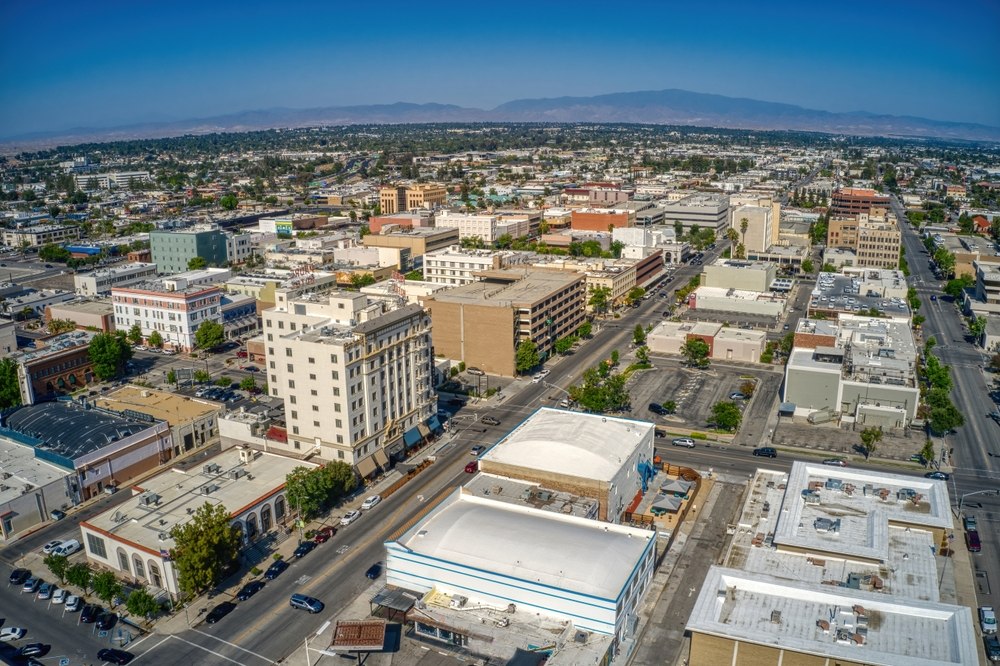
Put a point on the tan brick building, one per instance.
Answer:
(482, 323)
(401, 198)
(419, 241)
(595, 219)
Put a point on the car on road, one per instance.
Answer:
(350, 517)
(490, 420)
(51, 545)
(90, 613)
(537, 379)
(972, 541)
(19, 576)
(46, 590)
(476, 450)
(370, 502)
(67, 548)
(324, 534)
(683, 441)
(306, 603)
(987, 620)
(766, 452)
(933, 297)
(275, 569)
(835, 462)
(938, 476)
(32, 584)
(115, 656)
(736, 395)
(992, 643)
(304, 548)
(73, 603)
(472, 467)
(8, 634)
(56, 514)
(250, 589)
(969, 523)
(374, 571)
(220, 611)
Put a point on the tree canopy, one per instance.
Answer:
(109, 352)
(310, 490)
(210, 334)
(526, 357)
(205, 547)
(727, 415)
(10, 390)
(196, 263)
(696, 350)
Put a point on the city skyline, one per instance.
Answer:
(120, 64)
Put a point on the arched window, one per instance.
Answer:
(251, 526)
(123, 561)
(279, 508)
(265, 518)
(137, 567)
(154, 574)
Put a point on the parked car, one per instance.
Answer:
(31, 585)
(90, 613)
(51, 545)
(933, 297)
(275, 569)
(939, 476)
(475, 371)
(987, 620)
(969, 523)
(304, 548)
(972, 541)
(350, 517)
(683, 441)
(324, 534)
(45, 591)
(73, 603)
(241, 354)
(306, 603)
(8, 634)
(736, 395)
(657, 408)
(68, 548)
(476, 450)
(374, 571)
(766, 452)
(992, 643)
(115, 656)
(472, 467)
(835, 462)
(57, 514)
(370, 502)
(107, 620)
(220, 611)
(34, 650)
(490, 420)
(19, 576)
(250, 589)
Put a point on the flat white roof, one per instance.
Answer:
(19, 461)
(860, 503)
(862, 626)
(585, 445)
(563, 552)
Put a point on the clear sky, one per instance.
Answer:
(104, 63)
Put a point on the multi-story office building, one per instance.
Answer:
(878, 245)
(482, 323)
(704, 210)
(239, 248)
(355, 375)
(175, 311)
(486, 227)
(100, 282)
(842, 232)
(40, 234)
(453, 265)
(172, 250)
(104, 181)
(401, 198)
(419, 241)
(762, 228)
(850, 201)
(58, 366)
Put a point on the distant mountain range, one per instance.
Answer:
(663, 107)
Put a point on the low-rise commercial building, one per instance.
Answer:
(702, 210)
(601, 219)
(739, 274)
(402, 198)
(488, 228)
(454, 265)
(98, 315)
(40, 234)
(56, 366)
(877, 292)
(101, 281)
(30, 488)
(724, 343)
(482, 323)
(8, 337)
(419, 241)
(29, 303)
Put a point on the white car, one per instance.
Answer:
(60, 596)
(987, 620)
(8, 634)
(370, 502)
(73, 603)
(683, 441)
(67, 548)
(350, 517)
(51, 545)
(537, 379)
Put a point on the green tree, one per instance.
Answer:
(635, 294)
(142, 604)
(359, 280)
(670, 406)
(205, 547)
(927, 452)
(696, 351)
(585, 330)
(995, 362)
(639, 335)
(209, 335)
(57, 326)
(955, 288)
(134, 335)
(945, 418)
(155, 340)
(807, 266)
(202, 376)
(58, 565)
(196, 263)
(109, 352)
(53, 252)
(747, 387)
(171, 376)
(80, 575)
(727, 415)
(945, 260)
(600, 299)
(248, 383)
(563, 345)
(310, 490)
(938, 375)
(10, 389)
(642, 356)
(870, 438)
(106, 586)
(414, 275)
(526, 356)
(229, 202)
(977, 326)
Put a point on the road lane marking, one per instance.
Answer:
(234, 645)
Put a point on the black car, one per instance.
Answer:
(89, 613)
(220, 611)
(766, 452)
(114, 656)
(275, 569)
(657, 408)
(18, 576)
(250, 589)
(34, 650)
(106, 621)
(939, 476)
(992, 647)
(374, 571)
(304, 548)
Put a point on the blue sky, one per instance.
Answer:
(107, 63)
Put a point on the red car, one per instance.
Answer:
(241, 354)
(324, 534)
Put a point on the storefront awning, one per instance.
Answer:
(434, 423)
(411, 437)
(381, 459)
(366, 466)
(425, 432)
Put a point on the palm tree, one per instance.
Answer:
(744, 225)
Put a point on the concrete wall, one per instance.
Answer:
(480, 335)
(885, 395)
(709, 650)
(737, 305)
(812, 390)
(738, 349)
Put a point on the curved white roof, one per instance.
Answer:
(585, 445)
(565, 552)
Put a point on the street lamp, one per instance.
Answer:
(987, 491)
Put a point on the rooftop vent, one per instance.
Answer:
(209, 489)
(211, 468)
(827, 526)
(776, 617)
(580, 637)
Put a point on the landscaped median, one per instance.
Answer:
(702, 435)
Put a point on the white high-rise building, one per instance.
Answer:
(175, 312)
(355, 374)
